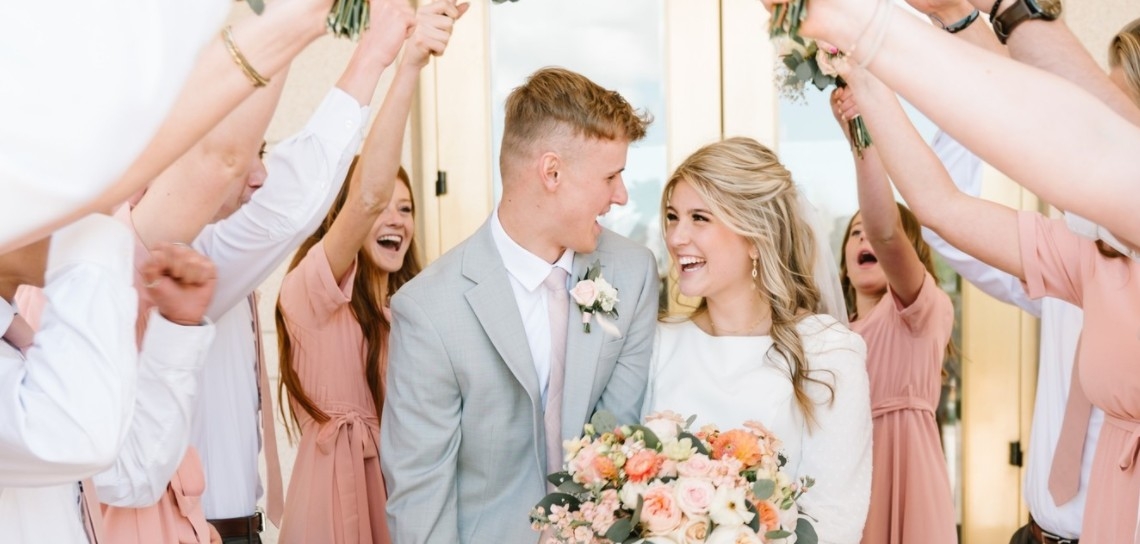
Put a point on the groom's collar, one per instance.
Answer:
(528, 269)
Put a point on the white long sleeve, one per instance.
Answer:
(169, 366)
(68, 404)
(306, 172)
(130, 59)
(965, 169)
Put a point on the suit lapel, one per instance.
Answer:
(582, 351)
(493, 301)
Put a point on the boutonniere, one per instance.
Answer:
(596, 298)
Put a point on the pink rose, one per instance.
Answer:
(659, 512)
(590, 468)
(585, 293)
(697, 466)
(823, 59)
(694, 495)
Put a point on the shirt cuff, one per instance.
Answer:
(7, 313)
(188, 342)
(339, 119)
(96, 240)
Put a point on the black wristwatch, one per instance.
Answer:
(1025, 10)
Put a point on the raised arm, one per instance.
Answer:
(1024, 109)
(981, 228)
(965, 170)
(174, 348)
(373, 181)
(67, 407)
(880, 214)
(213, 88)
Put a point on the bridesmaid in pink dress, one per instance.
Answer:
(894, 301)
(333, 324)
(1051, 261)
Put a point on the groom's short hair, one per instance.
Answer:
(554, 99)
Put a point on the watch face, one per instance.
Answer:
(1051, 9)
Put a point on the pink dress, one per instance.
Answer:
(336, 494)
(1062, 265)
(911, 501)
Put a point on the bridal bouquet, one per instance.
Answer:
(804, 61)
(659, 483)
(347, 18)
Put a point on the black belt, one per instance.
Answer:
(239, 527)
(1045, 537)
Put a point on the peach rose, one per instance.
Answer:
(642, 466)
(769, 515)
(660, 513)
(692, 531)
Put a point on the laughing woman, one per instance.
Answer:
(333, 327)
(894, 301)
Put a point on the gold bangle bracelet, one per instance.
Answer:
(240, 60)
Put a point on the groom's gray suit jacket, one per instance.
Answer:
(462, 437)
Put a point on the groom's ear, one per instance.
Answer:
(549, 165)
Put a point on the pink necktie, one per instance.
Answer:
(558, 304)
(19, 334)
(1065, 474)
(274, 498)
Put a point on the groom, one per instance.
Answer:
(490, 365)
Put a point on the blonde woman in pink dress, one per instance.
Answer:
(1051, 261)
(894, 302)
(333, 325)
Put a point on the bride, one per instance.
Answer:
(755, 348)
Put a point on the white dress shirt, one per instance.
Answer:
(306, 173)
(67, 403)
(106, 72)
(169, 365)
(527, 272)
(1061, 324)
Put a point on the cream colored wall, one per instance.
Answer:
(1096, 21)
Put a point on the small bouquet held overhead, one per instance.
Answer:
(659, 483)
(803, 61)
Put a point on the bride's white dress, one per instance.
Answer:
(728, 380)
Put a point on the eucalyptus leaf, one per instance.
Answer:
(689, 422)
(777, 534)
(822, 81)
(650, 438)
(763, 489)
(633, 521)
(696, 442)
(572, 487)
(561, 499)
(620, 530)
(604, 421)
(594, 271)
(257, 6)
(558, 478)
(755, 523)
(804, 72)
(805, 532)
(791, 62)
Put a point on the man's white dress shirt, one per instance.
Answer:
(1061, 324)
(306, 173)
(86, 86)
(527, 272)
(67, 402)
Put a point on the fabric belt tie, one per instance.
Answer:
(349, 465)
(1128, 453)
(898, 404)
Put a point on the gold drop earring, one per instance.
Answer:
(755, 273)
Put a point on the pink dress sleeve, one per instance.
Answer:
(931, 309)
(310, 294)
(1053, 258)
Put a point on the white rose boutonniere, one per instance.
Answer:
(596, 298)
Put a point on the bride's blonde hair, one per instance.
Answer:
(744, 185)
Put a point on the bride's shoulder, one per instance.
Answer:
(823, 335)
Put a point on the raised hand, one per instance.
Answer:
(391, 22)
(434, 23)
(843, 106)
(180, 281)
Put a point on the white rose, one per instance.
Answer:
(733, 535)
(629, 494)
(823, 59)
(665, 428)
